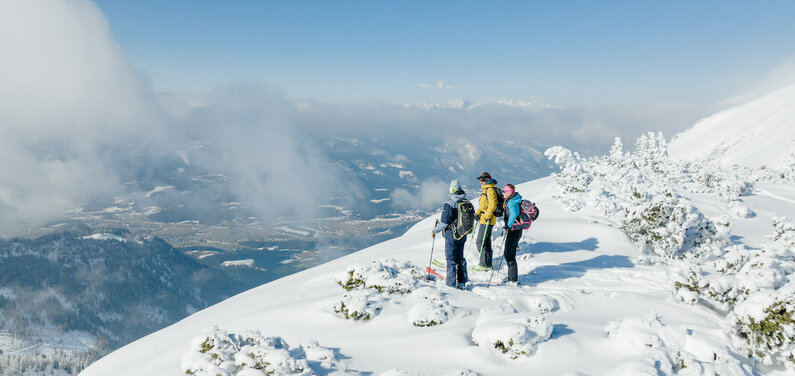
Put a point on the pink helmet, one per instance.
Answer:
(508, 190)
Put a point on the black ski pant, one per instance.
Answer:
(484, 244)
(511, 245)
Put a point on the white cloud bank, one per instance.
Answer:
(77, 121)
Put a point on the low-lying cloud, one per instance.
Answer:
(429, 195)
(78, 124)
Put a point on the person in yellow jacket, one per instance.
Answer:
(489, 201)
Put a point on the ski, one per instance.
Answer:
(476, 268)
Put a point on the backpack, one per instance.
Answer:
(527, 214)
(498, 211)
(465, 220)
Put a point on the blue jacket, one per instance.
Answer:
(514, 205)
(449, 211)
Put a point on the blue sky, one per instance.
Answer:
(562, 52)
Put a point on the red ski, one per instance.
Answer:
(429, 270)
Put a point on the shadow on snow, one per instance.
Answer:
(560, 330)
(575, 269)
(589, 244)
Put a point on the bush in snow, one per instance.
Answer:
(739, 273)
(251, 354)
(767, 326)
(359, 305)
(387, 276)
(541, 303)
(571, 178)
(739, 210)
(222, 353)
(433, 309)
(784, 174)
(510, 334)
(671, 227)
(662, 350)
(784, 232)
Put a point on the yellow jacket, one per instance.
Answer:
(488, 202)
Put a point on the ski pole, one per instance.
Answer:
(504, 243)
(433, 243)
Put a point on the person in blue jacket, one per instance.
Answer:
(454, 249)
(513, 207)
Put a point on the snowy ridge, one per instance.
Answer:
(761, 132)
(608, 286)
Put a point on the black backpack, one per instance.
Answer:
(499, 210)
(465, 219)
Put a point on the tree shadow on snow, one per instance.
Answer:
(560, 330)
(589, 244)
(574, 269)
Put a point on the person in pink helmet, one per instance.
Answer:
(512, 209)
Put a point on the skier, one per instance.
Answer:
(454, 248)
(512, 209)
(490, 200)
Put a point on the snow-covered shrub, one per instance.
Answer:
(663, 350)
(767, 326)
(386, 276)
(251, 354)
(784, 174)
(247, 353)
(510, 334)
(671, 227)
(738, 274)
(784, 232)
(540, 303)
(433, 309)
(572, 177)
(740, 210)
(359, 305)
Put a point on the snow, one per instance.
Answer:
(639, 264)
(293, 231)
(405, 174)
(761, 132)
(587, 304)
(105, 237)
(159, 189)
(246, 263)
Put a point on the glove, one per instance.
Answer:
(477, 217)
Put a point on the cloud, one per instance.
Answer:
(249, 135)
(79, 126)
(70, 97)
(588, 129)
(429, 195)
(424, 85)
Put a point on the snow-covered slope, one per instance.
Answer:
(589, 301)
(761, 132)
